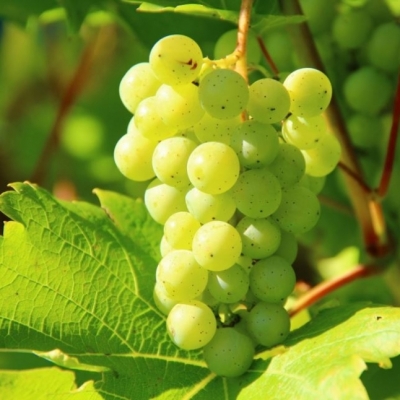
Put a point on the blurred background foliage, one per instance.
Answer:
(61, 116)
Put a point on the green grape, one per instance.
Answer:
(165, 247)
(256, 144)
(208, 207)
(132, 155)
(288, 247)
(179, 106)
(230, 285)
(181, 276)
(207, 298)
(210, 129)
(230, 353)
(162, 200)
(299, 210)
(137, 84)
(269, 101)
(260, 237)
(268, 323)
(226, 45)
(176, 60)
(289, 165)
(246, 263)
(191, 325)
(379, 11)
(367, 90)
(313, 183)
(365, 131)
(257, 193)
(223, 93)
(163, 302)
(384, 47)
(280, 48)
(272, 279)
(213, 167)
(310, 92)
(216, 245)
(179, 230)
(149, 122)
(322, 159)
(352, 29)
(170, 159)
(303, 133)
(319, 14)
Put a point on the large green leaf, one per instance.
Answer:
(76, 288)
(44, 384)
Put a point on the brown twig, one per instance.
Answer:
(391, 147)
(323, 289)
(267, 56)
(356, 177)
(72, 92)
(243, 31)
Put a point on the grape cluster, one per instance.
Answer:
(235, 170)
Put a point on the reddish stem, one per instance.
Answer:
(72, 92)
(267, 56)
(356, 177)
(323, 289)
(391, 147)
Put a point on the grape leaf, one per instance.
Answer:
(44, 384)
(76, 288)
(325, 358)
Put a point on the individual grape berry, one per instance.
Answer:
(163, 302)
(352, 29)
(149, 122)
(179, 230)
(191, 325)
(367, 90)
(303, 133)
(269, 101)
(272, 279)
(260, 237)
(256, 144)
(162, 200)
(365, 131)
(181, 276)
(288, 247)
(313, 183)
(230, 285)
(322, 159)
(176, 60)
(210, 207)
(169, 161)
(216, 246)
(210, 129)
(223, 93)
(268, 323)
(384, 47)
(165, 247)
(319, 14)
(132, 155)
(213, 167)
(299, 210)
(137, 84)
(257, 193)
(310, 92)
(289, 165)
(230, 353)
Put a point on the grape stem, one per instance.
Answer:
(267, 56)
(391, 147)
(324, 288)
(370, 216)
(72, 91)
(243, 31)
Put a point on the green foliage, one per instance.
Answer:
(76, 289)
